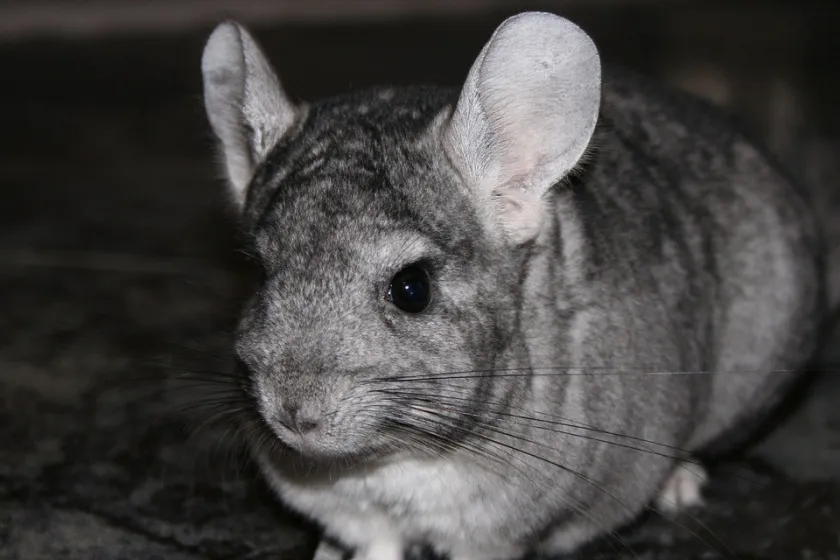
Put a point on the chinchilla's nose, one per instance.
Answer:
(300, 417)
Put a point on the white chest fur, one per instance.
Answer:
(455, 506)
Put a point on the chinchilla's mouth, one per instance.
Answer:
(294, 462)
(314, 468)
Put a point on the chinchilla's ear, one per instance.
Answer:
(245, 103)
(525, 116)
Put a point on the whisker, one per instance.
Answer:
(574, 505)
(572, 370)
(563, 422)
(600, 488)
(452, 445)
(682, 454)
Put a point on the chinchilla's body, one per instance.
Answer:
(501, 319)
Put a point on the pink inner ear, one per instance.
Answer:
(526, 115)
(522, 151)
(519, 211)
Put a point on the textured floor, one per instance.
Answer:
(117, 271)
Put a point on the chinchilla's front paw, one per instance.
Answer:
(683, 490)
(376, 551)
(328, 551)
(380, 550)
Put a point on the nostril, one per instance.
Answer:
(287, 416)
(297, 418)
(306, 424)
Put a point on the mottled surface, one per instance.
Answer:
(117, 271)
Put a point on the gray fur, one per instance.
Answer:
(667, 243)
(525, 117)
(245, 105)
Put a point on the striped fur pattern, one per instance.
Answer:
(604, 305)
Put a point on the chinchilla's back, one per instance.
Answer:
(681, 196)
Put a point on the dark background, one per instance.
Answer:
(118, 269)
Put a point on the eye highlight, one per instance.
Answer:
(410, 289)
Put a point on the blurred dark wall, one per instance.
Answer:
(23, 18)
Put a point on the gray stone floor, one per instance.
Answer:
(118, 273)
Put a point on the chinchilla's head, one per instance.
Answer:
(391, 226)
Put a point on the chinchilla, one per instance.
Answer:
(504, 318)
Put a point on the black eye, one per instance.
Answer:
(410, 289)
